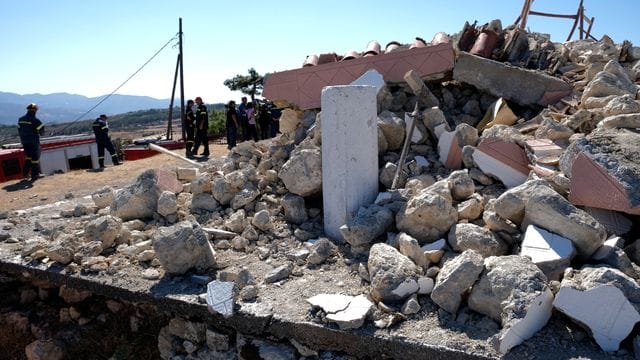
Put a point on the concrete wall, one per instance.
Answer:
(349, 153)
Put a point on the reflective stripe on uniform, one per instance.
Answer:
(104, 127)
(35, 161)
(27, 158)
(40, 127)
(100, 157)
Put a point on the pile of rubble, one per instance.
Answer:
(518, 197)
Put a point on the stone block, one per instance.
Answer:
(187, 174)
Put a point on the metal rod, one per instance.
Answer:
(553, 15)
(173, 93)
(168, 152)
(405, 147)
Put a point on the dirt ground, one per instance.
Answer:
(20, 194)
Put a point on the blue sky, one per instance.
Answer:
(90, 47)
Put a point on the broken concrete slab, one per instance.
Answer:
(427, 204)
(613, 80)
(552, 253)
(349, 312)
(502, 80)
(608, 325)
(505, 160)
(140, 199)
(469, 236)
(543, 151)
(606, 160)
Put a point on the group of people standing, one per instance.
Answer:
(248, 120)
(196, 128)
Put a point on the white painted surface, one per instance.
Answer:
(543, 246)
(54, 160)
(604, 310)
(609, 246)
(349, 153)
(509, 176)
(538, 314)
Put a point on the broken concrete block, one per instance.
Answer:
(543, 151)
(187, 174)
(450, 144)
(220, 297)
(279, 273)
(434, 251)
(455, 278)
(289, 120)
(504, 160)
(498, 113)
(608, 325)
(506, 81)
(625, 104)
(513, 291)
(607, 160)
(391, 273)
(411, 306)
(554, 213)
(550, 252)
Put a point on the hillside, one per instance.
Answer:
(132, 122)
(64, 107)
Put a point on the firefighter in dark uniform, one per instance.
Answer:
(101, 130)
(30, 129)
(202, 128)
(189, 129)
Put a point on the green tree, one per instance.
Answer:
(251, 84)
(217, 120)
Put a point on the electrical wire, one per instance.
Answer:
(119, 86)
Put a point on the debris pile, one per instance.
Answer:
(518, 197)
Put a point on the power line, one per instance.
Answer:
(119, 86)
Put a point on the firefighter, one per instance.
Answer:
(30, 129)
(189, 128)
(202, 128)
(101, 130)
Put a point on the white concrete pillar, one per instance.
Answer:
(349, 153)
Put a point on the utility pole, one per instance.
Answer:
(182, 114)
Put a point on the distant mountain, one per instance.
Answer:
(63, 107)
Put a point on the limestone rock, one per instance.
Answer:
(455, 278)
(222, 190)
(44, 350)
(462, 185)
(167, 203)
(613, 80)
(103, 197)
(393, 128)
(513, 291)
(427, 216)
(368, 224)
(182, 247)
(294, 208)
(140, 199)
(104, 229)
(393, 275)
(302, 173)
(464, 237)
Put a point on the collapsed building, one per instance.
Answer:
(457, 214)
